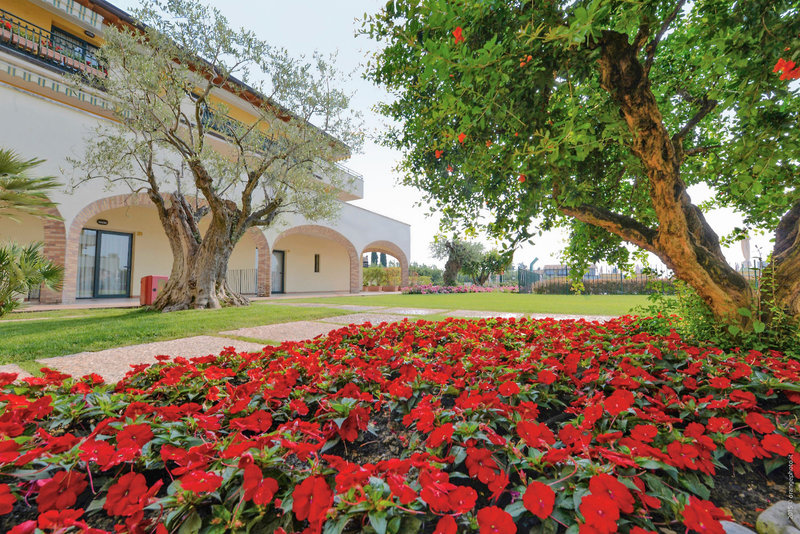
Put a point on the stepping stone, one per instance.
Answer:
(561, 316)
(374, 318)
(484, 314)
(779, 519)
(735, 528)
(11, 368)
(295, 331)
(412, 311)
(113, 364)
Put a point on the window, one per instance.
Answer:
(74, 47)
(316, 263)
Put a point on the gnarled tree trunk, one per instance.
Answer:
(683, 239)
(200, 263)
(780, 287)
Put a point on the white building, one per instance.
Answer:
(108, 238)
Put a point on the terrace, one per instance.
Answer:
(54, 48)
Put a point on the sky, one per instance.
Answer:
(305, 26)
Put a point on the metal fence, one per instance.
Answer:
(560, 283)
(244, 281)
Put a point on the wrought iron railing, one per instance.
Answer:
(62, 51)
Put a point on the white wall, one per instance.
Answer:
(299, 275)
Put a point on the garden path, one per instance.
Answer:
(112, 364)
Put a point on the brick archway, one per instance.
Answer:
(323, 232)
(69, 293)
(387, 247)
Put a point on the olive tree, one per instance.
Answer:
(175, 75)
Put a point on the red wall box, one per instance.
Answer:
(151, 285)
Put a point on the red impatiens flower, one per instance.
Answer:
(777, 444)
(462, 137)
(7, 499)
(644, 433)
(446, 525)
(703, 517)
(759, 423)
(256, 488)
(719, 424)
(599, 513)
(134, 437)
(608, 486)
(60, 520)
(535, 434)
(494, 520)
(61, 491)
(129, 495)
(539, 499)
(508, 388)
(462, 499)
(458, 34)
(740, 448)
(442, 434)
(618, 402)
(199, 481)
(312, 499)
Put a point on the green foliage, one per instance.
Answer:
(696, 322)
(433, 272)
(373, 259)
(21, 193)
(487, 264)
(24, 268)
(458, 253)
(375, 276)
(511, 123)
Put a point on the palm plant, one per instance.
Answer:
(21, 193)
(22, 268)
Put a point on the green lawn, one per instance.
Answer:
(501, 302)
(104, 328)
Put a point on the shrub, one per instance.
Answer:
(440, 290)
(406, 427)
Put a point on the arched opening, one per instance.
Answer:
(312, 258)
(391, 251)
(115, 241)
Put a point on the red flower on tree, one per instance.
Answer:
(494, 520)
(539, 499)
(458, 34)
(462, 137)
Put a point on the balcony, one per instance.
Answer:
(54, 48)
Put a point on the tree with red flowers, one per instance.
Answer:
(611, 111)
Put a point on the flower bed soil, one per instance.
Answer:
(497, 426)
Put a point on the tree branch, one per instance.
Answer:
(706, 105)
(700, 150)
(623, 226)
(650, 49)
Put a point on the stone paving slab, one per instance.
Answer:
(112, 364)
(294, 331)
(483, 314)
(412, 311)
(374, 318)
(11, 368)
(560, 316)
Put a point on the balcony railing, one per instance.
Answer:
(25, 37)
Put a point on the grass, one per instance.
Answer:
(501, 302)
(105, 328)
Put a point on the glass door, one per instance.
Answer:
(104, 264)
(277, 271)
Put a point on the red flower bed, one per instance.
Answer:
(491, 426)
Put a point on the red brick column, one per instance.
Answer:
(55, 248)
(264, 279)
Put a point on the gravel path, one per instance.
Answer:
(112, 364)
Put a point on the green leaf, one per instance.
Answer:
(378, 521)
(192, 524)
(758, 327)
(744, 312)
(734, 330)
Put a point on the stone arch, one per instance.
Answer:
(329, 233)
(387, 247)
